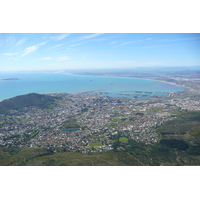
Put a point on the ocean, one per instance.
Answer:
(44, 83)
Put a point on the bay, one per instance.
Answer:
(44, 83)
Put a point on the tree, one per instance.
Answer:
(116, 144)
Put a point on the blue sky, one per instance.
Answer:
(59, 51)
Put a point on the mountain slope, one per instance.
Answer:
(32, 99)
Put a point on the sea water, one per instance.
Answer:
(66, 83)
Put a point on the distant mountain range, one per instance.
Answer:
(32, 99)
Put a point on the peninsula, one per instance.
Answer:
(10, 79)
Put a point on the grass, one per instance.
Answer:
(70, 124)
(126, 122)
(116, 120)
(196, 135)
(123, 139)
(196, 132)
(137, 155)
(2, 122)
(23, 156)
(95, 144)
(112, 125)
(93, 136)
(19, 119)
(156, 109)
(79, 159)
(33, 134)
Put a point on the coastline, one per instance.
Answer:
(124, 77)
(180, 88)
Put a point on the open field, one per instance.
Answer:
(123, 139)
(95, 144)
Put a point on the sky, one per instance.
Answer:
(60, 51)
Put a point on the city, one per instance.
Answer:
(87, 122)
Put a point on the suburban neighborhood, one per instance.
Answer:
(89, 122)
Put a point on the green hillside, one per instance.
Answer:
(167, 153)
(33, 99)
(185, 122)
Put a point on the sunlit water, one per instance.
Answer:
(66, 83)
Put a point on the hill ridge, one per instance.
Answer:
(31, 99)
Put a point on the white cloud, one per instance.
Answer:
(56, 46)
(136, 41)
(10, 54)
(176, 40)
(101, 39)
(60, 37)
(33, 48)
(132, 42)
(29, 50)
(128, 42)
(90, 36)
(64, 58)
(45, 58)
(157, 46)
(10, 40)
(84, 39)
(113, 42)
(73, 45)
(42, 43)
(20, 42)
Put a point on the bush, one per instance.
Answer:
(194, 150)
(174, 143)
